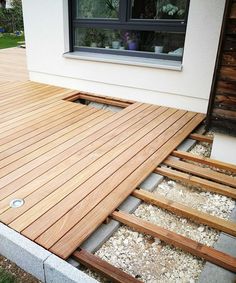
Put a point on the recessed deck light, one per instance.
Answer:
(15, 203)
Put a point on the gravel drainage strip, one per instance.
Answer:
(151, 260)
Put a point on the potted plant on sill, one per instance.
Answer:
(116, 37)
(94, 38)
(131, 40)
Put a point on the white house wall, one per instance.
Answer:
(46, 31)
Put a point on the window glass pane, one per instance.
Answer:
(127, 40)
(92, 9)
(158, 9)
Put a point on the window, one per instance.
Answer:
(142, 28)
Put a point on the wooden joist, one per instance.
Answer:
(201, 172)
(214, 256)
(201, 138)
(188, 212)
(204, 160)
(100, 99)
(106, 269)
(196, 181)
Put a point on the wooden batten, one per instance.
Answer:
(201, 172)
(201, 138)
(204, 160)
(106, 269)
(201, 183)
(214, 256)
(187, 212)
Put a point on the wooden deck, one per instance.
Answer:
(72, 164)
(13, 65)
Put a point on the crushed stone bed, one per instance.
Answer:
(151, 260)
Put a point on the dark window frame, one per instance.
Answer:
(125, 22)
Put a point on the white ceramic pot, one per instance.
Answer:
(158, 49)
(115, 44)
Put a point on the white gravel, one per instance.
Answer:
(151, 260)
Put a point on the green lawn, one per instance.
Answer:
(6, 277)
(7, 40)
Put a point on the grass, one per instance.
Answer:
(8, 40)
(6, 277)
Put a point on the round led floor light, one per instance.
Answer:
(15, 203)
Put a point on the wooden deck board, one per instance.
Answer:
(13, 65)
(72, 164)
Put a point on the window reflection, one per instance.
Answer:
(158, 9)
(90, 9)
(128, 40)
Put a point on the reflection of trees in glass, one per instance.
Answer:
(97, 8)
(158, 9)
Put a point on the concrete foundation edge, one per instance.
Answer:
(36, 260)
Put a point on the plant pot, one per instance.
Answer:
(158, 49)
(115, 44)
(132, 45)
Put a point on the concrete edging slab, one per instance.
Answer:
(36, 260)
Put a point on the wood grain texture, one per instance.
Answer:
(182, 210)
(97, 264)
(204, 160)
(197, 182)
(153, 155)
(13, 65)
(201, 172)
(201, 138)
(221, 114)
(70, 162)
(214, 256)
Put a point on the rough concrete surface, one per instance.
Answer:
(213, 273)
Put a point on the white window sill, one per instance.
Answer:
(125, 60)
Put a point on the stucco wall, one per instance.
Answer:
(46, 30)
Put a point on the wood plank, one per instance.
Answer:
(70, 241)
(214, 256)
(89, 178)
(182, 210)
(24, 96)
(33, 118)
(227, 73)
(86, 188)
(13, 113)
(42, 121)
(86, 123)
(225, 114)
(201, 138)
(223, 87)
(204, 160)
(106, 269)
(58, 175)
(225, 100)
(196, 181)
(53, 98)
(233, 11)
(14, 57)
(25, 145)
(229, 59)
(229, 43)
(26, 163)
(201, 172)
(94, 130)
